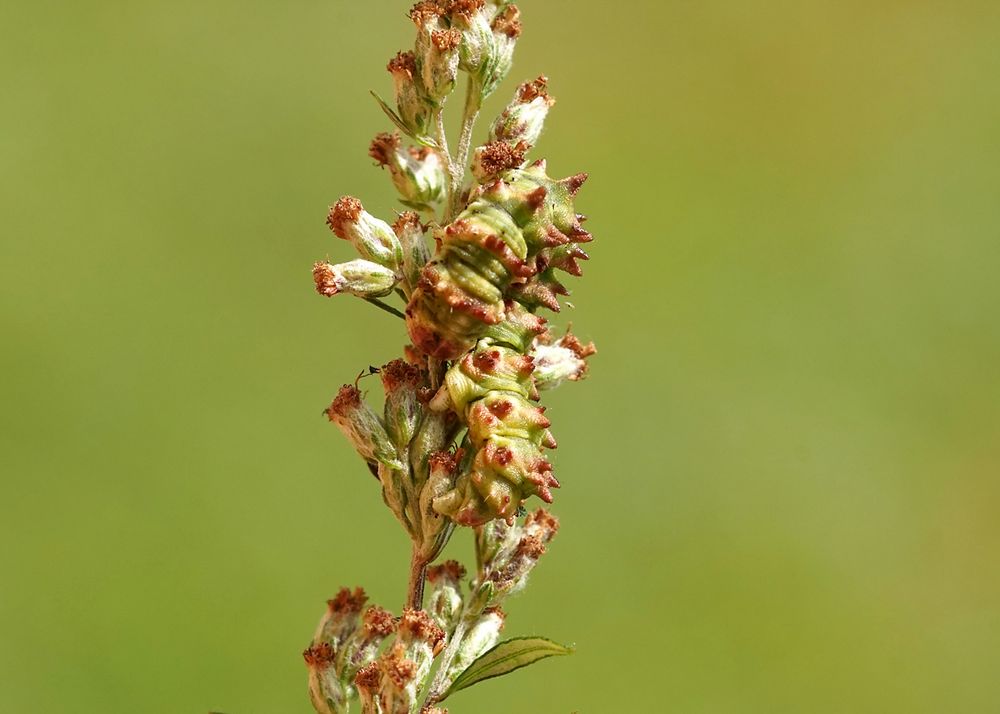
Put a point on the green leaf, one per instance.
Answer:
(505, 658)
(401, 125)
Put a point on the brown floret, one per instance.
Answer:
(425, 12)
(446, 40)
(545, 521)
(508, 22)
(323, 276)
(499, 156)
(347, 400)
(530, 91)
(399, 373)
(319, 655)
(369, 677)
(418, 625)
(407, 220)
(347, 210)
(465, 9)
(379, 622)
(531, 546)
(403, 64)
(383, 146)
(346, 601)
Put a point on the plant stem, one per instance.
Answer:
(418, 571)
(442, 140)
(473, 102)
(447, 658)
(388, 308)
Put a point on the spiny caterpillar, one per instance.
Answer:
(505, 244)
(490, 388)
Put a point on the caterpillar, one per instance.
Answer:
(490, 388)
(505, 245)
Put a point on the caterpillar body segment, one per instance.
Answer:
(492, 389)
(513, 232)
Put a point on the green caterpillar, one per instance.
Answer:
(490, 389)
(505, 245)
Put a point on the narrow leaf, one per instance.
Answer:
(505, 658)
(401, 125)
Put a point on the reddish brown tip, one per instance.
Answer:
(346, 211)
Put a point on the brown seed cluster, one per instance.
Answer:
(407, 221)
(319, 656)
(399, 373)
(397, 668)
(426, 12)
(446, 40)
(508, 22)
(418, 625)
(529, 91)
(325, 279)
(347, 602)
(368, 678)
(531, 546)
(544, 520)
(403, 65)
(378, 622)
(465, 9)
(499, 156)
(383, 146)
(348, 399)
(346, 211)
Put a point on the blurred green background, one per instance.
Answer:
(781, 484)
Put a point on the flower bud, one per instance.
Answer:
(341, 618)
(376, 625)
(363, 428)
(415, 108)
(506, 28)
(524, 117)
(403, 409)
(519, 553)
(362, 278)
(325, 655)
(326, 690)
(410, 233)
(418, 174)
(371, 237)
(368, 681)
(483, 634)
(478, 43)
(421, 638)
(441, 469)
(564, 359)
(445, 593)
(398, 686)
(436, 50)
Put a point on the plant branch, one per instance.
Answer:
(440, 683)
(442, 140)
(388, 308)
(418, 572)
(473, 102)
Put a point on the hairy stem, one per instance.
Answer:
(449, 164)
(418, 572)
(440, 682)
(473, 102)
